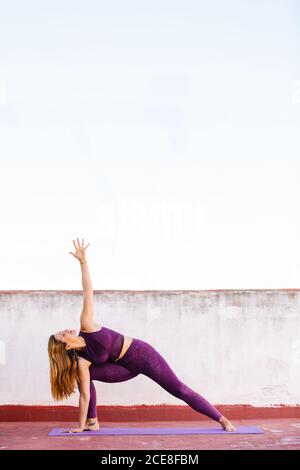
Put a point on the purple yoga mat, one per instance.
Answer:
(130, 431)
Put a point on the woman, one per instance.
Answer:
(99, 353)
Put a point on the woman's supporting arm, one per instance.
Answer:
(83, 410)
(84, 390)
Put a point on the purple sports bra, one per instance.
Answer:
(102, 346)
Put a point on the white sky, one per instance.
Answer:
(165, 133)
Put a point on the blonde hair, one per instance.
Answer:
(63, 369)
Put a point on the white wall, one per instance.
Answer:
(234, 347)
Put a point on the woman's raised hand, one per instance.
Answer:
(79, 250)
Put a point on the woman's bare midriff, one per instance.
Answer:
(126, 344)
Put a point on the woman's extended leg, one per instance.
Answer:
(108, 372)
(142, 358)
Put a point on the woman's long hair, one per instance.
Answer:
(63, 369)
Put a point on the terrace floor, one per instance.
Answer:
(278, 434)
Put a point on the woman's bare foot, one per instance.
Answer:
(226, 424)
(92, 425)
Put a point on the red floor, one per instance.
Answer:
(278, 434)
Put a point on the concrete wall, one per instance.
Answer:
(233, 346)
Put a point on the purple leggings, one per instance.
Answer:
(142, 358)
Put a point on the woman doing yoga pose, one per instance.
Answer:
(99, 353)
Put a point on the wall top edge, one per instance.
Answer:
(124, 291)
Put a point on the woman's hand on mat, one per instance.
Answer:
(79, 250)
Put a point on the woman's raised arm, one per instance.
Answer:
(87, 314)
